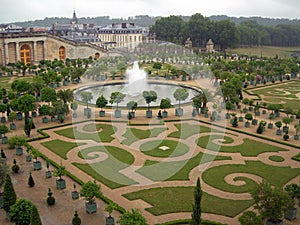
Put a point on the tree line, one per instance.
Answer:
(225, 33)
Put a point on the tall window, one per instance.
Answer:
(62, 53)
(25, 55)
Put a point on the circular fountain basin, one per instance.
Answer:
(163, 90)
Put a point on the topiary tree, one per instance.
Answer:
(76, 220)
(86, 97)
(180, 94)
(149, 96)
(35, 218)
(117, 97)
(50, 199)
(196, 213)
(101, 102)
(132, 218)
(30, 180)
(20, 212)
(9, 194)
(15, 168)
(165, 103)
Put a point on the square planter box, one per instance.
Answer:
(102, 113)
(132, 114)
(37, 165)
(178, 112)
(45, 120)
(148, 113)
(270, 125)
(19, 151)
(278, 132)
(90, 207)
(28, 158)
(241, 119)
(4, 140)
(60, 184)
(3, 119)
(87, 111)
(118, 113)
(271, 223)
(75, 195)
(33, 114)
(165, 114)
(291, 215)
(296, 137)
(19, 116)
(74, 115)
(227, 116)
(247, 124)
(109, 220)
(53, 119)
(254, 122)
(12, 126)
(48, 174)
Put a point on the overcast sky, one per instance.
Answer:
(20, 10)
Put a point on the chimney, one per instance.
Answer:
(124, 25)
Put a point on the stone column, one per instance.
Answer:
(18, 51)
(34, 52)
(6, 57)
(45, 50)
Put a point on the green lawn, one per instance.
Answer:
(179, 199)
(276, 158)
(248, 148)
(152, 148)
(133, 134)
(107, 171)
(277, 176)
(186, 130)
(61, 148)
(103, 135)
(179, 170)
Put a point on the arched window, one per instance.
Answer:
(25, 54)
(62, 53)
(97, 55)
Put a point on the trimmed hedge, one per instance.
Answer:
(188, 221)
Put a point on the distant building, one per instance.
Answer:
(10, 28)
(209, 46)
(121, 35)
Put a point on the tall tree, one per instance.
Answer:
(196, 214)
(35, 216)
(9, 194)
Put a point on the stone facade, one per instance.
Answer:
(34, 47)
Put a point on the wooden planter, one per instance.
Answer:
(37, 165)
(33, 114)
(117, 113)
(45, 120)
(102, 113)
(272, 223)
(178, 112)
(60, 184)
(109, 220)
(48, 174)
(149, 113)
(28, 158)
(12, 126)
(75, 195)
(3, 119)
(87, 111)
(165, 114)
(90, 207)
(291, 214)
(4, 140)
(19, 151)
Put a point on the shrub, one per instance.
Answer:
(30, 181)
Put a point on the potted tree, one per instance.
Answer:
(12, 116)
(3, 108)
(286, 121)
(90, 190)
(59, 172)
(101, 102)
(28, 155)
(37, 165)
(44, 110)
(250, 218)
(165, 103)
(74, 106)
(17, 142)
(86, 97)
(149, 96)
(75, 193)
(294, 191)
(248, 117)
(131, 106)
(48, 173)
(180, 94)
(228, 106)
(117, 97)
(109, 220)
(278, 124)
(297, 129)
(272, 203)
(3, 131)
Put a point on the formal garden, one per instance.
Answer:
(237, 133)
